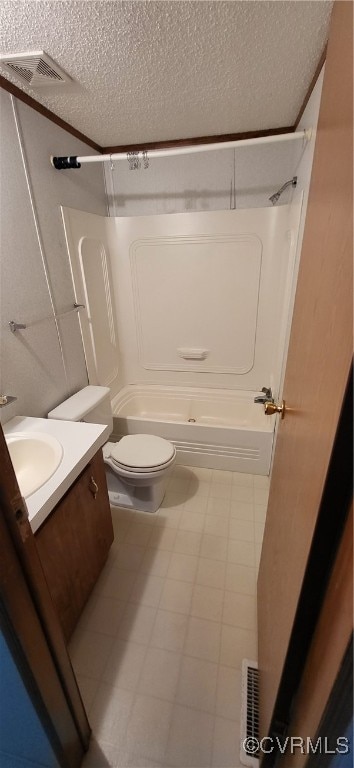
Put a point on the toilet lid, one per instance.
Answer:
(142, 451)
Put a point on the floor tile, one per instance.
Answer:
(260, 513)
(169, 631)
(110, 713)
(129, 557)
(146, 518)
(216, 525)
(187, 542)
(237, 644)
(169, 517)
(226, 744)
(202, 488)
(101, 755)
(88, 688)
(163, 538)
(222, 476)
(137, 623)
(182, 567)
(211, 573)
(207, 603)
(160, 673)
(258, 553)
(190, 740)
(197, 684)
(239, 610)
(104, 615)
(148, 727)
(138, 534)
(203, 473)
(172, 500)
(242, 510)
(261, 481)
(261, 495)
(241, 552)
(203, 639)
(160, 645)
(192, 521)
(116, 583)
(228, 697)
(147, 590)
(89, 652)
(197, 503)
(156, 562)
(178, 485)
(219, 506)
(220, 491)
(124, 665)
(213, 547)
(259, 532)
(242, 530)
(241, 578)
(242, 493)
(176, 596)
(242, 478)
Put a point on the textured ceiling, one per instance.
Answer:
(150, 70)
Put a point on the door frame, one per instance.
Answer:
(32, 627)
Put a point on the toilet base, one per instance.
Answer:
(144, 498)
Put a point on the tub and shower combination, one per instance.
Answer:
(185, 319)
(210, 428)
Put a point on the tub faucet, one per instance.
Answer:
(266, 397)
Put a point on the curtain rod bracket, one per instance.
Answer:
(62, 163)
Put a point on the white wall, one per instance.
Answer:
(44, 363)
(202, 182)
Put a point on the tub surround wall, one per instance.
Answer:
(198, 298)
(220, 180)
(209, 281)
(32, 366)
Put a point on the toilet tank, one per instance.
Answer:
(91, 404)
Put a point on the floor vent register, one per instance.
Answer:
(249, 746)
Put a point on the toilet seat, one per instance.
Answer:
(142, 453)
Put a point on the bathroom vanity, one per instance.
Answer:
(74, 541)
(69, 514)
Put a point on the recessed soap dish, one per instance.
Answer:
(190, 353)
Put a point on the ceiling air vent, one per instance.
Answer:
(35, 68)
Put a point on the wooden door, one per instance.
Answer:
(318, 365)
(33, 627)
(331, 639)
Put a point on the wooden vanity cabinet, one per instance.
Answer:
(74, 541)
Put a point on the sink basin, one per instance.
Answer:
(35, 457)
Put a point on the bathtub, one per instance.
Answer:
(215, 428)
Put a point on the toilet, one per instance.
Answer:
(137, 467)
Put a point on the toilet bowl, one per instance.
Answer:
(137, 471)
(137, 467)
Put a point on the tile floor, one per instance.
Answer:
(159, 647)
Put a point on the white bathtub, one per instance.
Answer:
(220, 429)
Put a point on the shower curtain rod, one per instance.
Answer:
(61, 163)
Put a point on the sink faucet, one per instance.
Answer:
(266, 397)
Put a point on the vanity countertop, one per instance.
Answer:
(80, 442)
